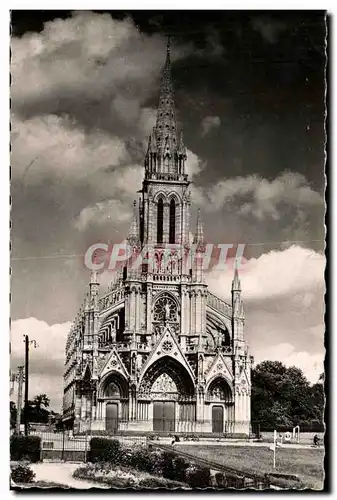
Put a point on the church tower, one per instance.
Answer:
(165, 195)
(159, 352)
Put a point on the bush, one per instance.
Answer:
(220, 480)
(198, 477)
(179, 467)
(167, 463)
(104, 450)
(28, 447)
(141, 459)
(22, 474)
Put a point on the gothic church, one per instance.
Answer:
(159, 352)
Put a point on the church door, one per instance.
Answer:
(163, 416)
(217, 419)
(111, 417)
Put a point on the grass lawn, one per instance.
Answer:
(307, 464)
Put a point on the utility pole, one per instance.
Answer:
(19, 403)
(27, 342)
(26, 383)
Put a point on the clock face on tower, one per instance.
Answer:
(165, 309)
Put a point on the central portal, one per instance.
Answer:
(163, 416)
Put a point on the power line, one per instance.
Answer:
(265, 243)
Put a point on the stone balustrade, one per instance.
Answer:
(166, 176)
(111, 299)
(123, 346)
(166, 278)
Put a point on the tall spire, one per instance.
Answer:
(199, 235)
(166, 122)
(133, 236)
(165, 154)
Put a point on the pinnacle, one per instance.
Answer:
(199, 236)
(236, 284)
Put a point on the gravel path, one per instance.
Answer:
(62, 473)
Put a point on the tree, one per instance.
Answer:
(283, 397)
(41, 400)
(37, 409)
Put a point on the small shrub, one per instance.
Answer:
(27, 447)
(22, 474)
(220, 479)
(180, 467)
(198, 477)
(168, 465)
(104, 450)
(141, 459)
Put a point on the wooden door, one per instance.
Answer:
(163, 416)
(217, 419)
(111, 417)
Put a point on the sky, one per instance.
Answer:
(249, 91)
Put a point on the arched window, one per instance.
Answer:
(172, 233)
(160, 213)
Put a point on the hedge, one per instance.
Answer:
(104, 450)
(25, 448)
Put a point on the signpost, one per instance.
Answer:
(273, 448)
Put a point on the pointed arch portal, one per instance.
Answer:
(114, 392)
(168, 384)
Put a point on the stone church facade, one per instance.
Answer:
(159, 352)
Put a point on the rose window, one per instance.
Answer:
(167, 346)
(165, 309)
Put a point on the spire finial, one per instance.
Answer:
(199, 236)
(236, 285)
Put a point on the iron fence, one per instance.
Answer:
(73, 445)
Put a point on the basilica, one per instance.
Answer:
(159, 352)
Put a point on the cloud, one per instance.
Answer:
(98, 214)
(262, 197)
(46, 361)
(53, 146)
(87, 53)
(194, 164)
(283, 294)
(208, 123)
(296, 271)
(311, 364)
(80, 119)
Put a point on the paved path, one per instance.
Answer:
(62, 473)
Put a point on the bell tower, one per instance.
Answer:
(165, 194)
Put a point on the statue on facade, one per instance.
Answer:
(167, 312)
